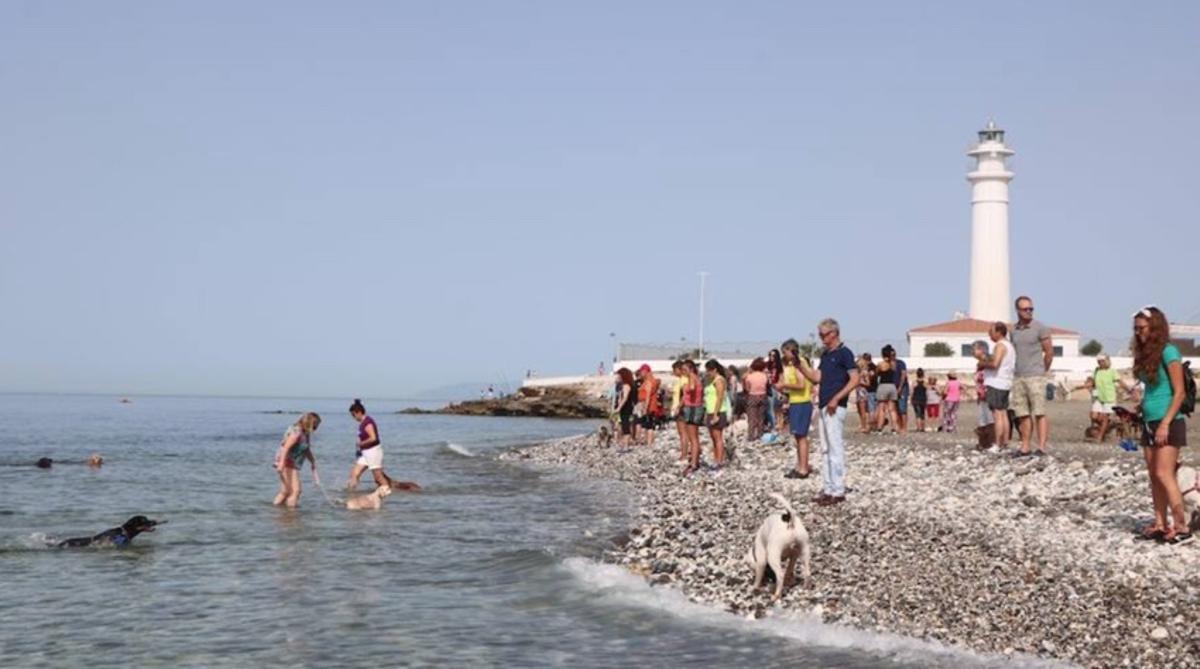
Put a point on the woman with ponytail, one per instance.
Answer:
(369, 452)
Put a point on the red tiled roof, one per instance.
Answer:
(974, 326)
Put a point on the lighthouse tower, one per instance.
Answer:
(989, 226)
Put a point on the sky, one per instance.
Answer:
(373, 199)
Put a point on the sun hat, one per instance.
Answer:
(644, 368)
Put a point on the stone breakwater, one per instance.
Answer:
(1030, 556)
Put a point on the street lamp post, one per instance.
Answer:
(703, 276)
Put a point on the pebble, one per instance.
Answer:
(977, 550)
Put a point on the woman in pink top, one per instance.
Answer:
(756, 399)
(953, 394)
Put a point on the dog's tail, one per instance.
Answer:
(791, 513)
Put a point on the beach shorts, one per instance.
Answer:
(721, 423)
(872, 402)
(886, 393)
(1028, 396)
(933, 410)
(919, 409)
(997, 400)
(372, 458)
(902, 403)
(860, 395)
(800, 418)
(648, 422)
(1101, 407)
(1176, 434)
(693, 415)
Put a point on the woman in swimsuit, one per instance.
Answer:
(295, 447)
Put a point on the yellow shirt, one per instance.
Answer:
(792, 376)
(676, 391)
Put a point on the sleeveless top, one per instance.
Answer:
(694, 396)
(710, 400)
(296, 452)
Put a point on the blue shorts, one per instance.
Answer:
(872, 403)
(799, 418)
(902, 404)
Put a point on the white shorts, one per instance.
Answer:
(1101, 407)
(372, 458)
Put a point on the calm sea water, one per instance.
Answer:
(493, 565)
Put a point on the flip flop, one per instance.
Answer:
(1150, 535)
(1178, 539)
(793, 474)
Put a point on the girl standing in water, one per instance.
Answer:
(295, 447)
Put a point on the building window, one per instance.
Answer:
(1058, 351)
(968, 350)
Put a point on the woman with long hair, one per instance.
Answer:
(693, 414)
(887, 393)
(1158, 364)
(718, 410)
(626, 400)
(800, 409)
(294, 448)
(860, 396)
(676, 410)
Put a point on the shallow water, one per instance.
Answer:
(493, 565)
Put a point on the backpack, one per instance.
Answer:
(1189, 390)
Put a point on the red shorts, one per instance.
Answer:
(933, 410)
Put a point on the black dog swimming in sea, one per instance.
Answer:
(117, 536)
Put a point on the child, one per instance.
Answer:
(920, 399)
(933, 407)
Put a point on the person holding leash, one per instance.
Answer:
(369, 453)
(294, 448)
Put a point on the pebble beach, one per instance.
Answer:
(1001, 556)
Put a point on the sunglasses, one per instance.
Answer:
(1145, 312)
(1024, 308)
(825, 334)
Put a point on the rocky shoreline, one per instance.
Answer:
(551, 402)
(1031, 556)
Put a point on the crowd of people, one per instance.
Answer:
(784, 390)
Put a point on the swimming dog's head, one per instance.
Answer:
(383, 491)
(138, 524)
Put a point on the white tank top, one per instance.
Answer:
(1002, 378)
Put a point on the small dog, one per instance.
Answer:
(780, 537)
(371, 500)
(1128, 424)
(1189, 486)
(604, 436)
(117, 536)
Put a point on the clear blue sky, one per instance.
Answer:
(374, 198)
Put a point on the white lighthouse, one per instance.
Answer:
(989, 226)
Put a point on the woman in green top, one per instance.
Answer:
(718, 410)
(1157, 363)
(1104, 382)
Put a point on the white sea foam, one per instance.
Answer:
(460, 449)
(617, 586)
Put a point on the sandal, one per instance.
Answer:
(1178, 538)
(795, 474)
(1150, 534)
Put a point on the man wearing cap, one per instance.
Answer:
(1034, 352)
(1105, 380)
(649, 408)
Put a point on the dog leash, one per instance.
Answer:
(332, 502)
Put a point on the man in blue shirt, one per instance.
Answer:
(836, 378)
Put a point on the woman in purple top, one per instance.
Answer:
(369, 452)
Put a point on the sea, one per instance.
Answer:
(495, 563)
